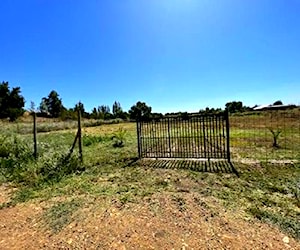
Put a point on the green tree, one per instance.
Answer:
(80, 106)
(140, 111)
(278, 103)
(117, 110)
(32, 107)
(157, 115)
(104, 109)
(43, 108)
(52, 105)
(234, 107)
(11, 102)
(104, 112)
(95, 114)
(68, 114)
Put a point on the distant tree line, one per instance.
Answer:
(12, 106)
(11, 102)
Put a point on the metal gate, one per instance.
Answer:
(185, 136)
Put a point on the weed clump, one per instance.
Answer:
(18, 165)
(119, 138)
(15, 158)
(89, 140)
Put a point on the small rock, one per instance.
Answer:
(286, 240)
(160, 234)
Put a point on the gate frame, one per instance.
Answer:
(227, 135)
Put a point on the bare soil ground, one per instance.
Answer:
(161, 221)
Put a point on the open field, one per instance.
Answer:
(112, 201)
(24, 125)
(252, 135)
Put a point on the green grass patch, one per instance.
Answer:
(287, 224)
(268, 192)
(60, 215)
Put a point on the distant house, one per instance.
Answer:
(274, 107)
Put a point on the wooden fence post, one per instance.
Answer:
(79, 135)
(34, 136)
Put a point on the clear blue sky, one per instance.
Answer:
(176, 55)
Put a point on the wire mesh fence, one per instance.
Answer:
(256, 136)
(35, 135)
(265, 136)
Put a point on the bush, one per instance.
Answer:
(18, 165)
(60, 166)
(15, 156)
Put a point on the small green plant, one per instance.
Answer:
(119, 138)
(275, 134)
(89, 140)
(4, 150)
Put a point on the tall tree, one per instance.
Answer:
(104, 109)
(104, 112)
(11, 102)
(95, 114)
(43, 108)
(80, 106)
(117, 110)
(52, 104)
(140, 111)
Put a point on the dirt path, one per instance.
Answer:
(163, 221)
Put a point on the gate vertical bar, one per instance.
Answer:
(138, 137)
(227, 135)
(169, 138)
(204, 142)
(220, 136)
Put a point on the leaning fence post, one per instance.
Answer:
(34, 136)
(79, 135)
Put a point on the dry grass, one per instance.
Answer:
(264, 192)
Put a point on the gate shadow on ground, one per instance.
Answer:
(194, 165)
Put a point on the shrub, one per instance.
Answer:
(119, 137)
(18, 165)
(60, 166)
(15, 156)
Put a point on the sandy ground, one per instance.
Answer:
(157, 222)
